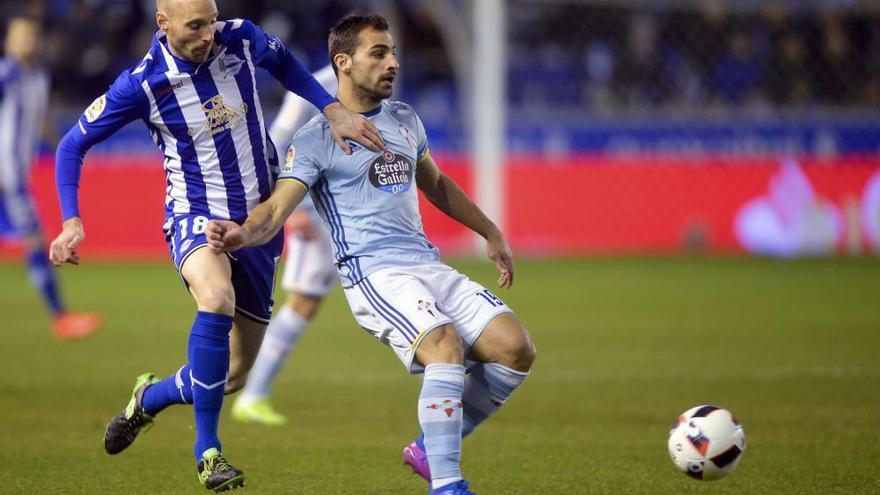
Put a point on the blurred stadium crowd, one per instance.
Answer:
(714, 53)
(89, 42)
(588, 56)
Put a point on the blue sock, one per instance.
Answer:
(176, 389)
(486, 390)
(209, 361)
(440, 412)
(42, 277)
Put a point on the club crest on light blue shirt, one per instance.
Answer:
(405, 133)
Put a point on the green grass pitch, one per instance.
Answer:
(624, 346)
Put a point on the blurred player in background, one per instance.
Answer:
(309, 274)
(196, 91)
(24, 97)
(397, 287)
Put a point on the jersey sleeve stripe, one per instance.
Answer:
(423, 155)
(294, 179)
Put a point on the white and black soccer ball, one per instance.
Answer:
(707, 442)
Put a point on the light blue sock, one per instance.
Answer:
(440, 412)
(283, 333)
(488, 387)
(176, 389)
(209, 359)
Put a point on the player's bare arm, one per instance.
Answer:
(262, 224)
(63, 248)
(347, 124)
(448, 197)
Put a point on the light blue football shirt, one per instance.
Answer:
(368, 199)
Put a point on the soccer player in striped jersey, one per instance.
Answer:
(196, 91)
(24, 93)
(434, 318)
(309, 274)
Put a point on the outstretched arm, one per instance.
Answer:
(123, 103)
(343, 122)
(448, 197)
(262, 224)
(273, 56)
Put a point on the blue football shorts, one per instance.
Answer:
(253, 269)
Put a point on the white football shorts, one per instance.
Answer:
(308, 267)
(399, 306)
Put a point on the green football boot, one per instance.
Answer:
(217, 474)
(125, 426)
(259, 411)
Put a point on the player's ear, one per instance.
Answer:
(343, 62)
(161, 20)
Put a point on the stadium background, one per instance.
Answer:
(646, 148)
(628, 126)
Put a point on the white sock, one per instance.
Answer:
(283, 333)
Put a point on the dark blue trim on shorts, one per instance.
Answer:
(391, 308)
(388, 317)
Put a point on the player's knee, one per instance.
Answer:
(525, 358)
(520, 355)
(216, 300)
(441, 345)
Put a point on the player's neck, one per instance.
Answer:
(354, 102)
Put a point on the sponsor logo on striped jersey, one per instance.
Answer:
(219, 116)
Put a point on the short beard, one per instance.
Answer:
(370, 95)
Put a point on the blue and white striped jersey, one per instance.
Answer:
(205, 118)
(296, 112)
(368, 199)
(24, 96)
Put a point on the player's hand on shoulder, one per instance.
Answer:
(351, 125)
(225, 235)
(499, 251)
(63, 248)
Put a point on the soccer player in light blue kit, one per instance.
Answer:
(433, 317)
(309, 274)
(196, 91)
(24, 96)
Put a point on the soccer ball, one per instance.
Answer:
(706, 443)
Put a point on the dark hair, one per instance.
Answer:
(344, 34)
